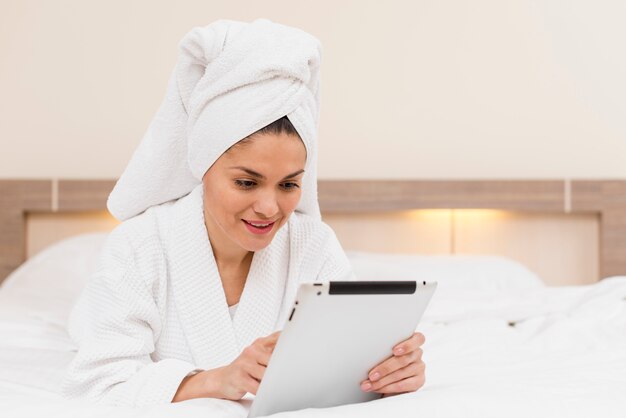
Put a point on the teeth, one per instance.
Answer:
(259, 225)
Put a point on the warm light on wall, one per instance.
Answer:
(429, 214)
(480, 214)
(462, 223)
(468, 214)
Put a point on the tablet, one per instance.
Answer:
(336, 333)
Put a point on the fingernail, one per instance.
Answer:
(366, 386)
(375, 376)
(399, 350)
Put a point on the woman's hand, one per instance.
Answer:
(246, 372)
(401, 373)
(232, 382)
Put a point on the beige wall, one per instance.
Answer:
(417, 89)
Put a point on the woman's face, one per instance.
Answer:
(251, 190)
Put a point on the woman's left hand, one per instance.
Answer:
(403, 372)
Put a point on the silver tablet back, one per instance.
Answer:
(336, 333)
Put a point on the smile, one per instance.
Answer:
(259, 227)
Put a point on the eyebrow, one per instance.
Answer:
(261, 176)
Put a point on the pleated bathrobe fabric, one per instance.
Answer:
(155, 309)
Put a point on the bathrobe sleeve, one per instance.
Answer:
(116, 323)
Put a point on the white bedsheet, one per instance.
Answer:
(540, 352)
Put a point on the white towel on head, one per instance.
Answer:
(231, 79)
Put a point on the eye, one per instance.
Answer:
(245, 184)
(290, 186)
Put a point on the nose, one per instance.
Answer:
(266, 205)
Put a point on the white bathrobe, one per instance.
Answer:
(155, 309)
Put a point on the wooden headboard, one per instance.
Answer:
(604, 198)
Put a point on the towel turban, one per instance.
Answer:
(231, 79)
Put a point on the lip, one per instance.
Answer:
(258, 231)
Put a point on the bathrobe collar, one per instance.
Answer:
(214, 339)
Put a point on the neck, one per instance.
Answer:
(226, 259)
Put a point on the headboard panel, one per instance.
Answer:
(605, 199)
(17, 197)
(608, 198)
(388, 195)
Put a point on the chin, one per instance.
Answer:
(256, 246)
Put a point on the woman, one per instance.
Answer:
(221, 224)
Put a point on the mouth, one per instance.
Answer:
(259, 227)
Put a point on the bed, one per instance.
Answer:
(499, 340)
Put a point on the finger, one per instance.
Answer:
(263, 358)
(250, 385)
(270, 341)
(411, 344)
(392, 364)
(255, 354)
(410, 384)
(413, 369)
(275, 334)
(263, 345)
(255, 370)
(273, 337)
(237, 383)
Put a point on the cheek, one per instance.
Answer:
(234, 203)
(226, 203)
(290, 201)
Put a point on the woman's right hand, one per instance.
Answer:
(246, 372)
(231, 382)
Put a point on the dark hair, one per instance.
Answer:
(279, 126)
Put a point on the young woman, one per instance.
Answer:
(221, 224)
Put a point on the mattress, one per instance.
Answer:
(498, 342)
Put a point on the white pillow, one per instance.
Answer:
(452, 272)
(49, 283)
